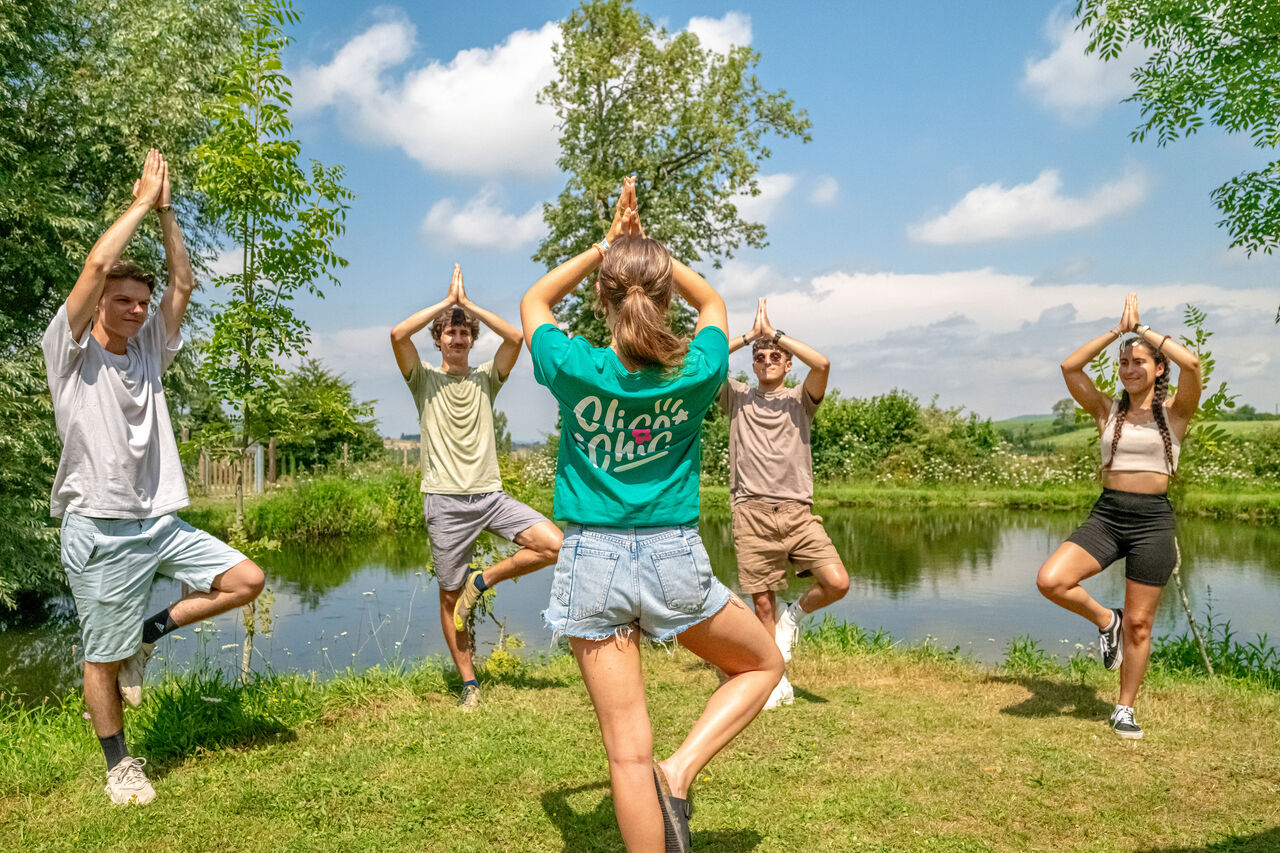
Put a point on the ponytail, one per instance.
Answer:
(636, 283)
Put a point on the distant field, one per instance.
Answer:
(1039, 428)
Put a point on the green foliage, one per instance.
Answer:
(314, 414)
(29, 448)
(689, 123)
(1257, 662)
(86, 87)
(283, 217)
(1023, 656)
(1206, 62)
(850, 436)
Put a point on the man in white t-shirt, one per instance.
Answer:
(120, 482)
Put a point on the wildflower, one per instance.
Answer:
(213, 699)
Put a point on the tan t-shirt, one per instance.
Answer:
(769, 442)
(459, 456)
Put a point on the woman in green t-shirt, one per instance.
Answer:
(627, 483)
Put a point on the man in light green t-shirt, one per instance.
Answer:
(461, 486)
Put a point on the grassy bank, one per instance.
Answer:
(885, 749)
(386, 499)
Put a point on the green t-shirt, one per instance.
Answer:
(630, 443)
(455, 413)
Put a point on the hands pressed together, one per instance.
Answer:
(457, 293)
(1129, 316)
(761, 327)
(152, 189)
(626, 215)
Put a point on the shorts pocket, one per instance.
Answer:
(79, 543)
(684, 573)
(589, 581)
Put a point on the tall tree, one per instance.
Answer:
(1214, 62)
(282, 218)
(690, 123)
(86, 88)
(316, 415)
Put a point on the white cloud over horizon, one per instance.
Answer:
(1074, 85)
(481, 222)
(994, 212)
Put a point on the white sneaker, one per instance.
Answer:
(782, 694)
(129, 678)
(788, 630)
(128, 785)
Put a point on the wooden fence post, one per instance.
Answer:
(271, 461)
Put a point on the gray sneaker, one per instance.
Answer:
(470, 698)
(1123, 723)
(129, 677)
(128, 785)
(1110, 641)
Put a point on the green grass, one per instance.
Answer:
(886, 749)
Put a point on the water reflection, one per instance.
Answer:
(967, 578)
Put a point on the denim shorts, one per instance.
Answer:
(111, 564)
(610, 579)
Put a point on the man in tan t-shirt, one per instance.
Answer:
(771, 485)
(462, 489)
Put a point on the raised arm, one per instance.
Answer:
(402, 333)
(546, 292)
(182, 280)
(752, 334)
(815, 384)
(1081, 387)
(1190, 380)
(703, 297)
(509, 350)
(84, 296)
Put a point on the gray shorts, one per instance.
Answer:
(454, 522)
(111, 564)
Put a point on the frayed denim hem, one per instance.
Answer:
(621, 632)
(669, 637)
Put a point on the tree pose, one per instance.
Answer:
(462, 492)
(120, 482)
(1141, 434)
(627, 483)
(771, 485)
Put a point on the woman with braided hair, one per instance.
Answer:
(1141, 434)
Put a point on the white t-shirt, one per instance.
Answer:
(119, 457)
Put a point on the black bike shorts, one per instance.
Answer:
(1136, 526)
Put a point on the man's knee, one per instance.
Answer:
(547, 542)
(834, 582)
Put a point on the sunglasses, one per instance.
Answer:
(773, 357)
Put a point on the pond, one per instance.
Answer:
(964, 578)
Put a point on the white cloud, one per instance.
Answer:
(481, 222)
(994, 212)
(720, 34)
(1073, 84)
(773, 189)
(477, 114)
(825, 190)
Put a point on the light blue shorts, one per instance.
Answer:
(608, 579)
(112, 562)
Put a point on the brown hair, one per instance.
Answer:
(636, 283)
(454, 317)
(1160, 392)
(765, 345)
(130, 270)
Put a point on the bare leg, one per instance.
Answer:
(832, 582)
(234, 588)
(1140, 602)
(766, 607)
(611, 671)
(459, 642)
(735, 641)
(1059, 581)
(102, 697)
(539, 547)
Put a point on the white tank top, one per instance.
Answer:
(1140, 449)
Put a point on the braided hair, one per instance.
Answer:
(1159, 393)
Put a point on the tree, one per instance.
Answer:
(315, 414)
(1214, 62)
(283, 218)
(690, 123)
(1064, 413)
(86, 88)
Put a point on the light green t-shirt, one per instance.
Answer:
(459, 456)
(630, 443)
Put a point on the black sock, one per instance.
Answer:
(114, 749)
(471, 682)
(157, 626)
(479, 582)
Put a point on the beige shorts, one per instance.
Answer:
(770, 534)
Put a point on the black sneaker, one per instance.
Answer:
(1109, 642)
(675, 815)
(1123, 723)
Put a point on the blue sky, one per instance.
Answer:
(970, 208)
